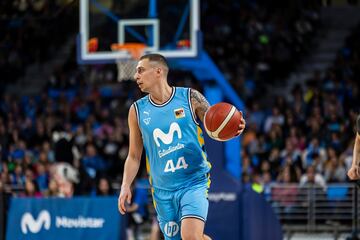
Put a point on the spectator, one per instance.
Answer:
(104, 188)
(31, 189)
(286, 195)
(93, 162)
(53, 189)
(313, 150)
(139, 208)
(42, 178)
(275, 118)
(18, 177)
(312, 178)
(255, 116)
(334, 170)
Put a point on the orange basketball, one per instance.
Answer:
(222, 121)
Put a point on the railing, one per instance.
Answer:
(312, 209)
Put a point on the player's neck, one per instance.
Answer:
(161, 93)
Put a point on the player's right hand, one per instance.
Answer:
(354, 173)
(125, 195)
(241, 125)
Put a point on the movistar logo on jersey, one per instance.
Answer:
(167, 138)
(35, 225)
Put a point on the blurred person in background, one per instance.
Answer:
(53, 189)
(17, 177)
(66, 176)
(104, 188)
(138, 209)
(287, 192)
(31, 189)
(312, 178)
(42, 178)
(93, 163)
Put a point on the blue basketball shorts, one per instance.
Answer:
(173, 206)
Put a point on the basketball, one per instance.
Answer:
(222, 121)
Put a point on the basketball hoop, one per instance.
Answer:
(126, 67)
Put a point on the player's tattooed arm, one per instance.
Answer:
(199, 104)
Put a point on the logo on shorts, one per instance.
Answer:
(171, 229)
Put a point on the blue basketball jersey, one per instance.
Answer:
(173, 141)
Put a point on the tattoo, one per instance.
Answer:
(199, 104)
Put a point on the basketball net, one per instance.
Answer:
(127, 67)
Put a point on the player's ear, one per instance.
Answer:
(158, 70)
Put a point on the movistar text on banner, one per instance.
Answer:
(56, 218)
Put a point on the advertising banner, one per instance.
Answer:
(59, 218)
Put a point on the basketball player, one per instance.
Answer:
(354, 171)
(165, 123)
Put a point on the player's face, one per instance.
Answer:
(145, 75)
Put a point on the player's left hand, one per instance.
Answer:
(354, 173)
(241, 125)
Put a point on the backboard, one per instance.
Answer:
(168, 27)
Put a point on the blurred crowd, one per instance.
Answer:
(308, 137)
(27, 30)
(265, 40)
(72, 139)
